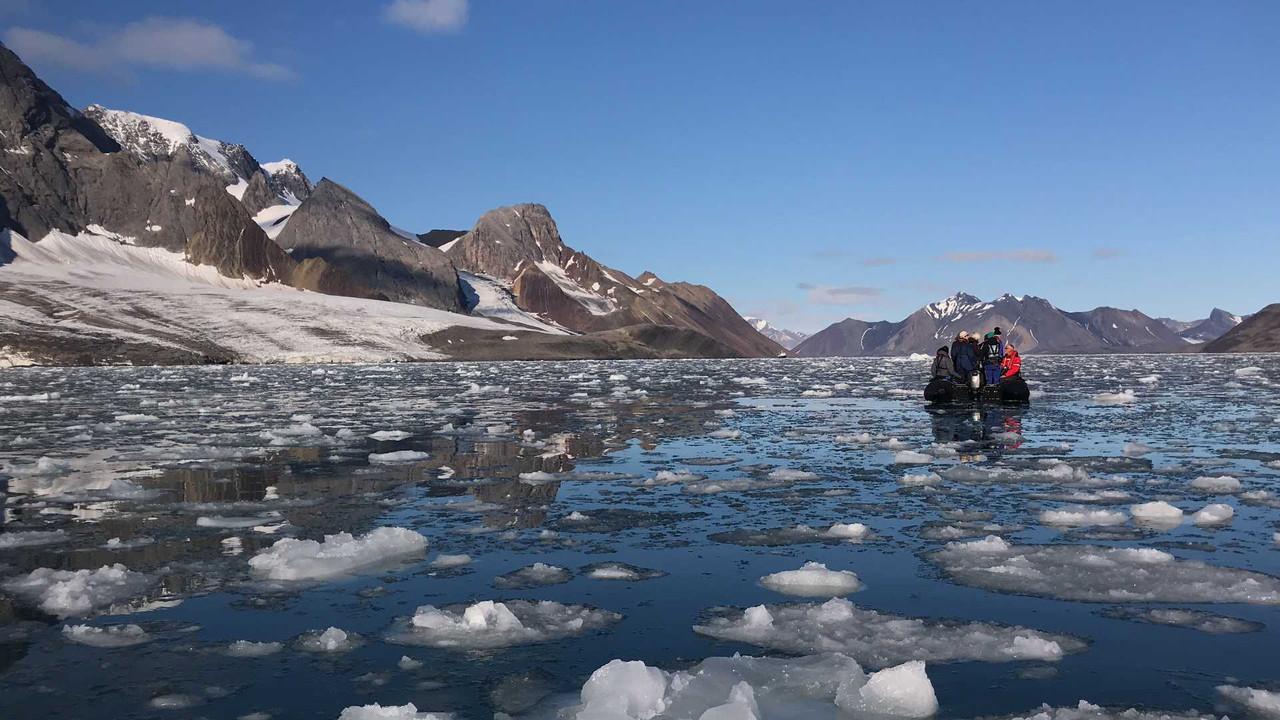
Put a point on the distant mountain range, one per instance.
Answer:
(1033, 325)
(1259, 332)
(129, 238)
(786, 338)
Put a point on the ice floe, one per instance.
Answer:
(1100, 574)
(750, 688)
(331, 640)
(881, 639)
(813, 579)
(489, 624)
(533, 576)
(1157, 513)
(444, 561)
(1255, 700)
(397, 457)
(1082, 517)
(389, 712)
(1220, 485)
(31, 538)
(68, 593)
(620, 571)
(1213, 515)
(251, 649)
(1205, 622)
(338, 555)
(112, 636)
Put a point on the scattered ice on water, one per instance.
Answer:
(31, 538)
(340, 554)
(251, 649)
(68, 593)
(911, 457)
(112, 636)
(397, 457)
(490, 624)
(533, 575)
(620, 571)
(1124, 397)
(389, 435)
(813, 579)
(389, 712)
(444, 561)
(1082, 517)
(750, 688)
(1100, 574)
(332, 640)
(1255, 700)
(1087, 711)
(1192, 619)
(881, 639)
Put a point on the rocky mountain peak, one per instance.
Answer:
(152, 139)
(34, 114)
(288, 181)
(958, 305)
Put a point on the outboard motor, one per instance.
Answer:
(975, 381)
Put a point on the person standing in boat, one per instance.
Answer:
(943, 367)
(963, 355)
(991, 353)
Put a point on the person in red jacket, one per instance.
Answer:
(1012, 363)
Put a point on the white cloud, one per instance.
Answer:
(980, 256)
(167, 43)
(848, 295)
(429, 16)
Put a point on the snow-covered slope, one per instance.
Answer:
(68, 291)
(786, 338)
(492, 298)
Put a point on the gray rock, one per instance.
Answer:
(1259, 333)
(337, 226)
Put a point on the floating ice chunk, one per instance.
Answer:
(1053, 472)
(911, 457)
(795, 535)
(136, 418)
(725, 434)
(490, 624)
(533, 575)
(332, 640)
(31, 538)
(882, 639)
(1123, 397)
(1087, 711)
(1255, 700)
(790, 475)
(620, 571)
(444, 562)
(1191, 619)
(389, 435)
(741, 688)
(1082, 517)
(1250, 371)
(988, 544)
(1158, 513)
(114, 636)
(1213, 515)
(338, 555)
(670, 477)
(67, 593)
(1221, 485)
(397, 457)
(1137, 449)
(813, 579)
(250, 649)
(389, 712)
(407, 663)
(919, 479)
(901, 691)
(538, 477)
(218, 521)
(1103, 574)
(857, 438)
(848, 531)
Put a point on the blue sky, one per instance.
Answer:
(809, 160)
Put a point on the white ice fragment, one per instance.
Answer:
(68, 593)
(490, 624)
(389, 712)
(114, 636)
(444, 561)
(1124, 397)
(1221, 485)
(389, 435)
(911, 457)
(848, 531)
(332, 640)
(902, 691)
(1158, 513)
(251, 649)
(813, 579)
(1261, 702)
(397, 457)
(337, 555)
(1213, 515)
(1082, 517)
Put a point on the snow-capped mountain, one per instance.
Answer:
(786, 338)
(521, 247)
(1205, 330)
(1033, 324)
(1259, 332)
(153, 139)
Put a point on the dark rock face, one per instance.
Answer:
(337, 226)
(287, 181)
(258, 194)
(1032, 324)
(521, 245)
(1258, 333)
(1201, 331)
(436, 238)
(64, 172)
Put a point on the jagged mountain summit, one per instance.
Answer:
(786, 338)
(1031, 323)
(1259, 332)
(1204, 330)
(152, 139)
(520, 246)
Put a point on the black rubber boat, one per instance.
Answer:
(1010, 391)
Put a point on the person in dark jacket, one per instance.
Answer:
(963, 355)
(943, 368)
(992, 354)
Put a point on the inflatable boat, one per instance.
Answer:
(1012, 391)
